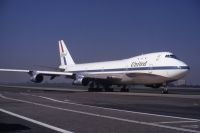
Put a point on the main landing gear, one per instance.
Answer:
(94, 87)
(97, 87)
(124, 89)
(165, 90)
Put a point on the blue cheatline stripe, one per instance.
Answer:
(138, 68)
(65, 62)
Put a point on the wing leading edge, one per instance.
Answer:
(37, 76)
(46, 73)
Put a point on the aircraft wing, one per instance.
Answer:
(35, 72)
(52, 73)
(38, 76)
(14, 70)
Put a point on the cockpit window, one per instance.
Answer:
(171, 56)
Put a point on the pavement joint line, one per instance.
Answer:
(169, 122)
(35, 121)
(105, 116)
(112, 109)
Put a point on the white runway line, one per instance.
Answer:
(35, 121)
(105, 116)
(126, 111)
(190, 126)
(51, 99)
(170, 122)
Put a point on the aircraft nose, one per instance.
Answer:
(185, 66)
(181, 71)
(184, 69)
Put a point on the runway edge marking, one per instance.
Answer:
(35, 121)
(105, 116)
(170, 122)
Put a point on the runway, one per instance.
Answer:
(30, 110)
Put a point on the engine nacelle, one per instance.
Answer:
(80, 80)
(37, 78)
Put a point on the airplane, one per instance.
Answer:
(152, 70)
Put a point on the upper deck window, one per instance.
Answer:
(171, 56)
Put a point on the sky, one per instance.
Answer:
(96, 30)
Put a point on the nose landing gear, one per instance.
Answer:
(165, 90)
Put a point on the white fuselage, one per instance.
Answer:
(153, 68)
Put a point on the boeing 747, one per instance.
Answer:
(152, 70)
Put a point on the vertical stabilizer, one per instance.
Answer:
(65, 56)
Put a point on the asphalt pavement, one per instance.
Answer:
(29, 110)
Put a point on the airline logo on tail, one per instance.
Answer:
(65, 56)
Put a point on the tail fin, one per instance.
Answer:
(65, 56)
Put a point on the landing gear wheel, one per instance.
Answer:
(98, 89)
(109, 89)
(124, 89)
(90, 89)
(94, 87)
(165, 91)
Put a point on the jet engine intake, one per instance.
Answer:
(37, 78)
(80, 80)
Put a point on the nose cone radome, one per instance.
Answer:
(182, 70)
